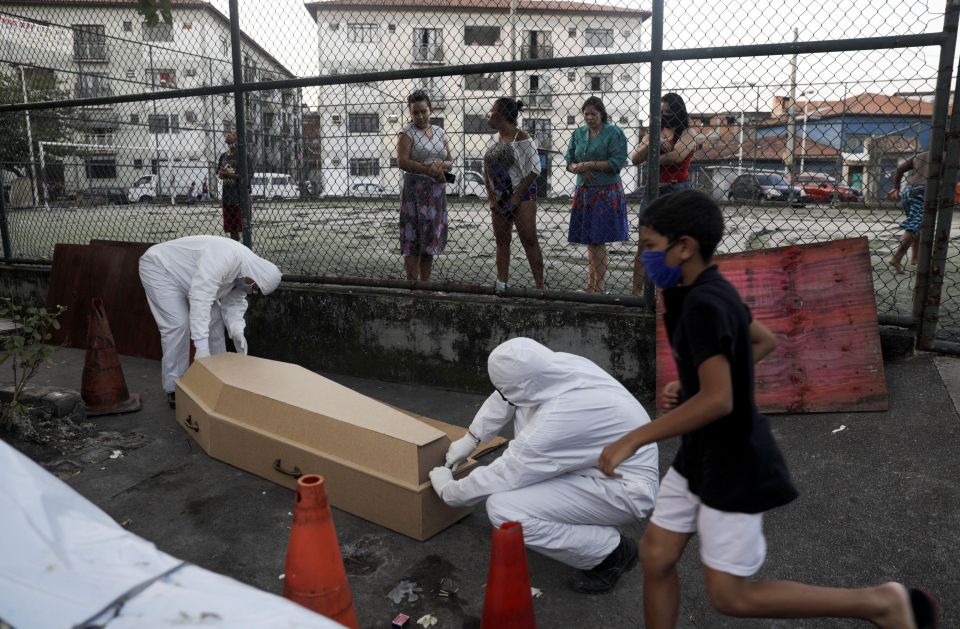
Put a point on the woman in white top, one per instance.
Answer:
(510, 168)
(423, 154)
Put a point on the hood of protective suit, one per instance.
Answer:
(528, 374)
(264, 273)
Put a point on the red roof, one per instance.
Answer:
(867, 104)
(522, 6)
(768, 148)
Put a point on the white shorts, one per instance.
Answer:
(729, 542)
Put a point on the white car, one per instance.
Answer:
(273, 186)
(367, 190)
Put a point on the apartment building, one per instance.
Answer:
(95, 48)
(359, 122)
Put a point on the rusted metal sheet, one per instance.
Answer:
(819, 301)
(108, 270)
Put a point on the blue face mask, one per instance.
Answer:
(662, 274)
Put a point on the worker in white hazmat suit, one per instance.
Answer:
(565, 410)
(195, 286)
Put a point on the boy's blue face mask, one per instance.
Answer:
(660, 273)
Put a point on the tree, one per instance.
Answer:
(47, 125)
(153, 10)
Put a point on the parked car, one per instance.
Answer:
(821, 188)
(472, 184)
(367, 190)
(273, 186)
(766, 186)
(109, 194)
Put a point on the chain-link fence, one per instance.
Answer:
(793, 117)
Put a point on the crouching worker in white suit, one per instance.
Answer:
(195, 286)
(565, 409)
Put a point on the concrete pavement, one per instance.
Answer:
(878, 502)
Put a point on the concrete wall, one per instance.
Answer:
(419, 337)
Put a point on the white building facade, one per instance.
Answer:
(359, 122)
(95, 48)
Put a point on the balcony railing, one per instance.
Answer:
(537, 99)
(542, 51)
(91, 53)
(432, 53)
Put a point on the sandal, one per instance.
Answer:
(925, 609)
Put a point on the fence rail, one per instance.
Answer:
(798, 139)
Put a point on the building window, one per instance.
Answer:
(191, 72)
(393, 162)
(225, 44)
(138, 164)
(160, 32)
(163, 78)
(89, 42)
(134, 119)
(128, 27)
(540, 129)
(391, 28)
(336, 119)
(163, 123)
(473, 164)
(101, 167)
(489, 81)
(93, 86)
(476, 123)
(599, 38)
(481, 35)
(361, 33)
(571, 120)
(599, 82)
(190, 116)
(427, 44)
(437, 122)
(571, 32)
(363, 123)
(334, 26)
(40, 78)
(364, 167)
(227, 125)
(536, 45)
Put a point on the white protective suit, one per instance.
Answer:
(567, 410)
(191, 287)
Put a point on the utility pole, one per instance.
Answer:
(791, 157)
(513, 47)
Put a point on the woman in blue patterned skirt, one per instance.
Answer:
(597, 152)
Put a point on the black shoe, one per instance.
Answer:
(172, 399)
(602, 578)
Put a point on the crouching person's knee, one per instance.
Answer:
(499, 510)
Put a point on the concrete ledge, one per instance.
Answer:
(441, 340)
(57, 402)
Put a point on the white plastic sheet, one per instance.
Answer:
(62, 560)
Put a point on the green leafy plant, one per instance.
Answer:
(25, 349)
(154, 10)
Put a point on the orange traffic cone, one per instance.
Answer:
(314, 575)
(508, 602)
(104, 389)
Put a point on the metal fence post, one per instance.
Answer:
(924, 312)
(241, 118)
(653, 129)
(4, 227)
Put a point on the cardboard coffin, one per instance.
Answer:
(279, 421)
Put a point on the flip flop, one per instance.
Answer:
(925, 609)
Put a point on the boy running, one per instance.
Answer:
(729, 469)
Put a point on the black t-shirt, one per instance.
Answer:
(231, 188)
(732, 464)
